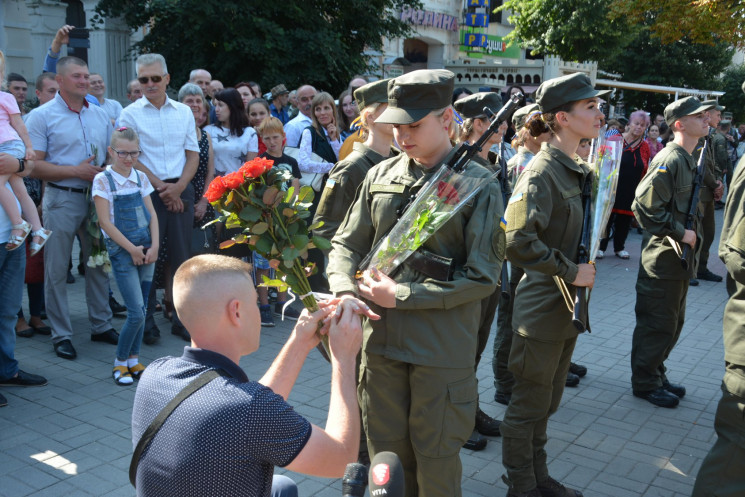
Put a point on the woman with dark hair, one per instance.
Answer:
(348, 112)
(233, 141)
(543, 227)
(258, 111)
(246, 92)
(634, 162)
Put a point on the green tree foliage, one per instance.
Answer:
(647, 60)
(320, 42)
(734, 98)
(577, 30)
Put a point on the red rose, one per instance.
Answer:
(215, 191)
(448, 193)
(256, 167)
(233, 180)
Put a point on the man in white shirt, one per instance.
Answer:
(98, 90)
(170, 156)
(294, 128)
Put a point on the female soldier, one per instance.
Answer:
(347, 175)
(544, 224)
(417, 382)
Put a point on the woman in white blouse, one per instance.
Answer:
(233, 141)
(320, 142)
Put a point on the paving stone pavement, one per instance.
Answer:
(72, 437)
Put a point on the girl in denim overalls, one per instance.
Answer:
(127, 219)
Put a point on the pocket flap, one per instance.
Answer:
(463, 391)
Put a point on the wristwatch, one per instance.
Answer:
(21, 165)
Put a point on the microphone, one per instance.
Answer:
(354, 482)
(387, 476)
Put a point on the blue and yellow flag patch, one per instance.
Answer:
(662, 169)
(503, 223)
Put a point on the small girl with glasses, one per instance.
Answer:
(127, 218)
(15, 141)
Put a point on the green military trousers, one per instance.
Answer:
(722, 473)
(660, 314)
(424, 415)
(488, 311)
(540, 370)
(503, 379)
(709, 230)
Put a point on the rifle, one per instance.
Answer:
(581, 318)
(691, 216)
(504, 184)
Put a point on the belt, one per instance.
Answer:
(84, 191)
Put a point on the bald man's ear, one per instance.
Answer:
(235, 311)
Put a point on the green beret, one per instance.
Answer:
(522, 114)
(684, 107)
(372, 93)
(473, 105)
(414, 95)
(556, 92)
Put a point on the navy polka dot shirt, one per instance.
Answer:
(224, 440)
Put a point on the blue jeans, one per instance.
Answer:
(134, 285)
(12, 271)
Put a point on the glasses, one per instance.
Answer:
(144, 79)
(123, 155)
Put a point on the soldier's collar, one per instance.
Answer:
(559, 155)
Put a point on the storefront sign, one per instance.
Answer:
(495, 47)
(477, 20)
(474, 40)
(429, 18)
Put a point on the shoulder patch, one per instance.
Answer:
(387, 188)
(662, 169)
(515, 198)
(516, 215)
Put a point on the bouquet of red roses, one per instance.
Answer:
(273, 221)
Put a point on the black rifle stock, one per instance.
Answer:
(581, 319)
(693, 206)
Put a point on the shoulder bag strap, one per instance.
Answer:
(157, 423)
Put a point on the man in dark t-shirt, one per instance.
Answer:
(226, 438)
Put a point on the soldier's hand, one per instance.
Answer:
(378, 287)
(690, 238)
(719, 191)
(585, 276)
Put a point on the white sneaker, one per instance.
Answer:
(600, 255)
(622, 254)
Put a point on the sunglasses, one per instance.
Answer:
(144, 79)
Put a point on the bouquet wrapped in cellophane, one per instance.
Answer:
(446, 192)
(605, 160)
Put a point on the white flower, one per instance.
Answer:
(91, 262)
(99, 259)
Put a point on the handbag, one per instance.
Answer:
(313, 180)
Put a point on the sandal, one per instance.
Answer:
(137, 370)
(16, 241)
(36, 247)
(124, 377)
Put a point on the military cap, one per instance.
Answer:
(713, 104)
(414, 95)
(473, 105)
(684, 107)
(521, 115)
(279, 90)
(372, 93)
(570, 88)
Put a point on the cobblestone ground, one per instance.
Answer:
(72, 437)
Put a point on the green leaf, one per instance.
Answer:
(259, 228)
(290, 193)
(288, 212)
(264, 245)
(306, 194)
(278, 284)
(293, 228)
(289, 255)
(250, 213)
(321, 243)
(300, 241)
(315, 226)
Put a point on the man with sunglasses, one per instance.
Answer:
(170, 156)
(70, 139)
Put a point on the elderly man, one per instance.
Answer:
(294, 128)
(214, 86)
(170, 156)
(98, 90)
(247, 425)
(134, 91)
(70, 139)
(280, 101)
(12, 268)
(202, 78)
(46, 87)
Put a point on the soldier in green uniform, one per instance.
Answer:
(722, 473)
(544, 224)
(418, 386)
(347, 175)
(716, 161)
(475, 123)
(661, 207)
